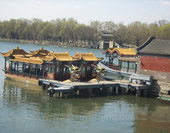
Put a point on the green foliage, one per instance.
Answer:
(69, 30)
(164, 31)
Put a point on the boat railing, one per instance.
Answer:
(24, 74)
(113, 66)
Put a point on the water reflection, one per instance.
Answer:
(150, 115)
(34, 95)
(27, 104)
(155, 119)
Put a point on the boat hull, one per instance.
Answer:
(164, 100)
(22, 79)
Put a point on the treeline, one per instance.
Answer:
(69, 30)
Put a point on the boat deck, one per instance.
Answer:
(59, 86)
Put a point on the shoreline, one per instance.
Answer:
(78, 44)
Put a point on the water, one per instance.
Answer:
(25, 108)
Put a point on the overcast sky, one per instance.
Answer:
(84, 11)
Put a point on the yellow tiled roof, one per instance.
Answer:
(39, 52)
(13, 52)
(60, 56)
(32, 60)
(86, 56)
(129, 51)
(121, 51)
(128, 59)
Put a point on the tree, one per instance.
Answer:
(97, 27)
(10, 27)
(163, 22)
(46, 31)
(121, 34)
(137, 33)
(109, 26)
(70, 30)
(164, 31)
(153, 29)
(19, 28)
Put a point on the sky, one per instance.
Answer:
(85, 11)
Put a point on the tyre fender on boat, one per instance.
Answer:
(50, 91)
(39, 82)
(101, 87)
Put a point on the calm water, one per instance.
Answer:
(25, 108)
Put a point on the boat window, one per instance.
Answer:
(20, 67)
(13, 66)
(124, 64)
(64, 70)
(50, 69)
(33, 69)
(83, 69)
(68, 70)
(116, 61)
(57, 69)
(93, 70)
(26, 69)
(88, 68)
(46, 68)
(132, 65)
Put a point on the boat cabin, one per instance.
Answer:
(37, 64)
(20, 63)
(48, 65)
(85, 62)
(121, 59)
(55, 66)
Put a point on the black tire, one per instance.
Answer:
(39, 83)
(51, 92)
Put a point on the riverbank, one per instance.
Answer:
(79, 44)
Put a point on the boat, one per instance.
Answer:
(113, 71)
(31, 66)
(164, 99)
(121, 59)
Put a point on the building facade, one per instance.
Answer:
(106, 40)
(155, 58)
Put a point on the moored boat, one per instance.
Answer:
(42, 64)
(121, 59)
(164, 99)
